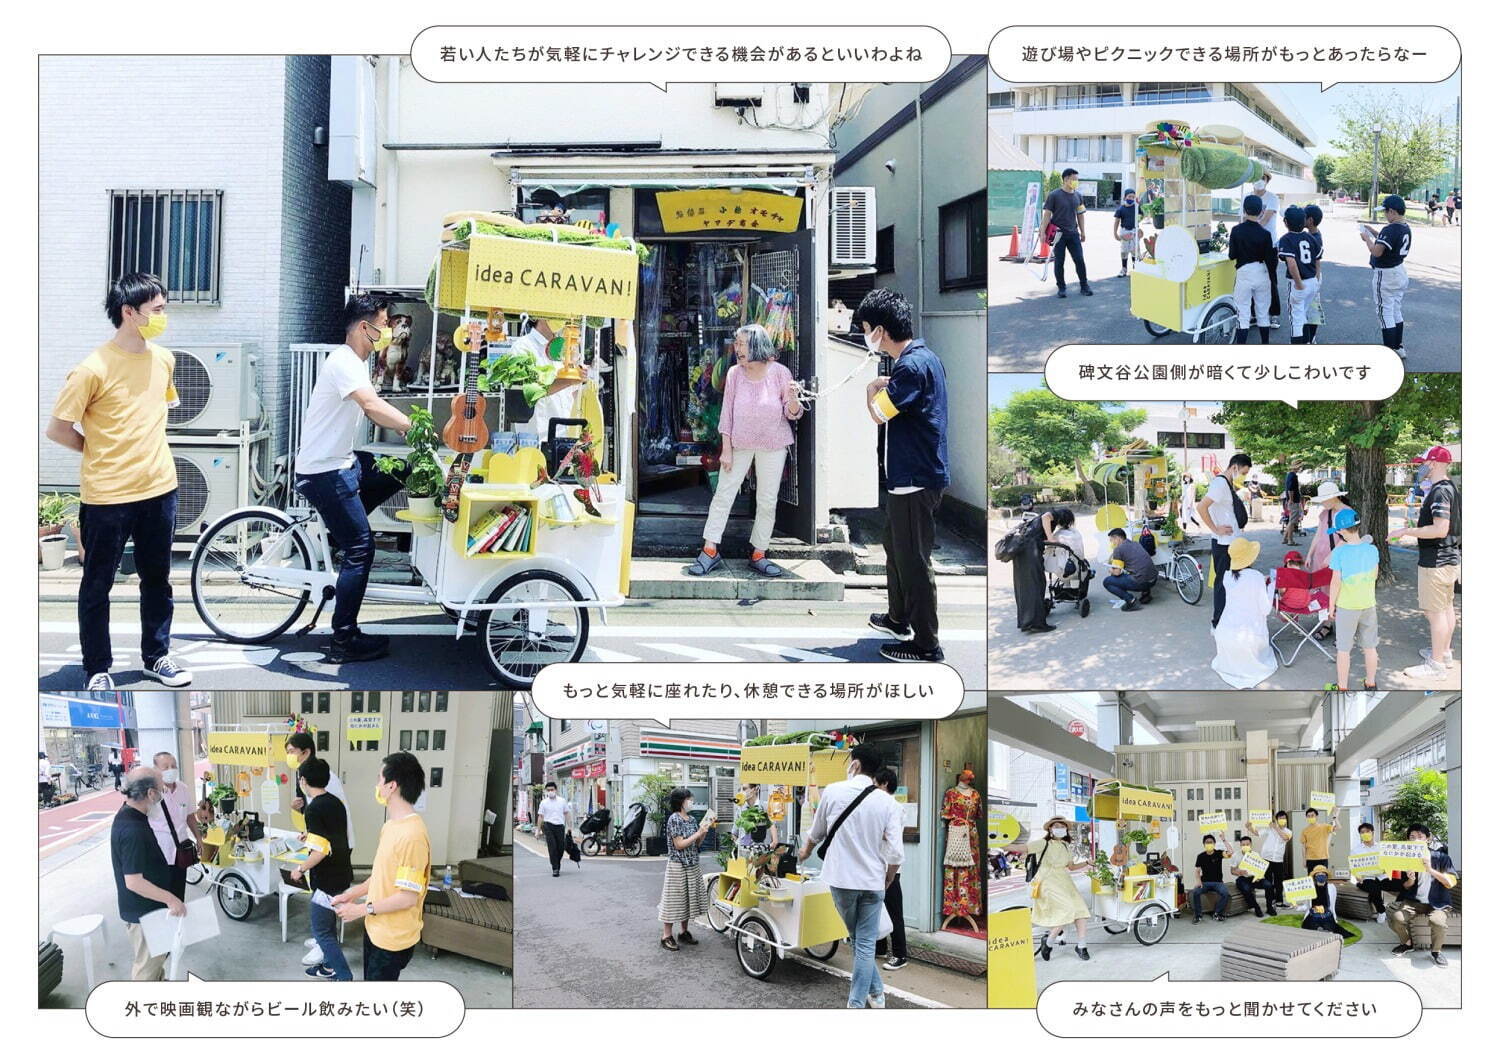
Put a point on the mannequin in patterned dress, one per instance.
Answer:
(962, 888)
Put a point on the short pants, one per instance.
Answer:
(1435, 588)
(1347, 623)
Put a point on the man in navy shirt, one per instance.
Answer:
(1388, 250)
(1425, 893)
(143, 879)
(912, 404)
(1301, 254)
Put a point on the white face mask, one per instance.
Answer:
(1434, 845)
(1059, 832)
(169, 776)
(1259, 186)
(871, 343)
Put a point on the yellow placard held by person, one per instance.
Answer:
(239, 749)
(1253, 863)
(1322, 800)
(1403, 856)
(1011, 981)
(1260, 818)
(1215, 823)
(724, 209)
(1364, 865)
(568, 280)
(1297, 890)
(364, 727)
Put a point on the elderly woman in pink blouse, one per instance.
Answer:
(760, 399)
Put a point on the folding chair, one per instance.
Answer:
(1301, 597)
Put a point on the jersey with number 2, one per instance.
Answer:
(1393, 245)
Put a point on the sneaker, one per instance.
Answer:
(166, 672)
(1062, 293)
(879, 1002)
(1046, 952)
(1380, 917)
(1275, 320)
(1082, 952)
(1439, 960)
(1446, 662)
(357, 647)
(906, 653)
(883, 623)
(1401, 950)
(1401, 353)
(1145, 597)
(1131, 606)
(1258, 913)
(321, 971)
(895, 963)
(1218, 918)
(1427, 670)
(1087, 290)
(100, 681)
(1197, 919)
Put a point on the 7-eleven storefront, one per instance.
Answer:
(703, 763)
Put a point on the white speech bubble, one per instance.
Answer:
(1138, 371)
(1206, 1009)
(1328, 55)
(660, 55)
(737, 691)
(274, 1009)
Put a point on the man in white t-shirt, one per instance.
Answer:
(863, 857)
(342, 486)
(1271, 205)
(561, 396)
(1217, 511)
(554, 813)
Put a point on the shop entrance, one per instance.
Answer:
(694, 294)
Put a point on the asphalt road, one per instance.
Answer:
(1169, 644)
(427, 656)
(588, 939)
(1027, 321)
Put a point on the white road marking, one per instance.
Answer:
(848, 976)
(791, 652)
(692, 653)
(611, 656)
(614, 631)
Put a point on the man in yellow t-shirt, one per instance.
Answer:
(390, 900)
(120, 395)
(1315, 839)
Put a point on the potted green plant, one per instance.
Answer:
(53, 511)
(521, 378)
(654, 790)
(420, 472)
(754, 822)
(1101, 873)
(223, 798)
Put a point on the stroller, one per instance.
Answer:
(594, 822)
(1068, 576)
(625, 840)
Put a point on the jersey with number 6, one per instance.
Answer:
(1299, 250)
(1394, 244)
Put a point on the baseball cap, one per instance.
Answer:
(1294, 217)
(1294, 555)
(1395, 203)
(1254, 206)
(1344, 518)
(1435, 453)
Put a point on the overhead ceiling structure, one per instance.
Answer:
(1396, 721)
(1294, 719)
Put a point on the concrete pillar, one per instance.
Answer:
(1258, 771)
(1453, 720)
(1115, 724)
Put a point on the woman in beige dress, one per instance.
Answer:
(1056, 901)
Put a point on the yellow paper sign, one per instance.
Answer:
(829, 766)
(1004, 828)
(1297, 890)
(1253, 863)
(364, 727)
(1403, 856)
(1321, 800)
(699, 209)
(1011, 981)
(1260, 817)
(775, 765)
(1144, 804)
(238, 749)
(1364, 865)
(570, 280)
(1213, 823)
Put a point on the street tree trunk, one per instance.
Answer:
(1365, 468)
(1085, 486)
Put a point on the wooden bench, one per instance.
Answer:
(1354, 904)
(1264, 952)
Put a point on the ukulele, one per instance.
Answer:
(465, 432)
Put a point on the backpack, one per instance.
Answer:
(1241, 514)
(1018, 538)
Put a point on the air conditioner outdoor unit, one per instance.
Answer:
(852, 221)
(215, 387)
(738, 93)
(208, 485)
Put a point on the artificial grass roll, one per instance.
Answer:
(1214, 167)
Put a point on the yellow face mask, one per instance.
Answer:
(155, 325)
(293, 761)
(379, 795)
(1208, 847)
(385, 339)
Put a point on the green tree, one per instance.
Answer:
(1323, 168)
(1422, 799)
(1363, 437)
(1053, 182)
(654, 789)
(1050, 433)
(1415, 143)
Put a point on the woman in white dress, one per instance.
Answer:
(1244, 657)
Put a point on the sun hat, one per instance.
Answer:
(1435, 453)
(1344, 519)
(1047, 826)
(1326, 490)
(1242, 553)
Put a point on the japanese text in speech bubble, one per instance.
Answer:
(219, 1010)
(747, 690)
(1167, 1008)
(1139, 372)
(660, 55)
(1327, 55)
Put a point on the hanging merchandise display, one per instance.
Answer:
(963, 896)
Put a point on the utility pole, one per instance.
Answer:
(1375, 178)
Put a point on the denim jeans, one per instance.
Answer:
(383, 965)
(860, 910)
(105, 530)
(1210, 887)
(344, 498)
(1246, 885)
(325, 928)
(1126, 586)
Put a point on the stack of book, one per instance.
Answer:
(501, 531)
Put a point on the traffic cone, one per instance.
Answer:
(1046, 252)
(1015, 242)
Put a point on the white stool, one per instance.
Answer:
(287, 890)
(83, 928)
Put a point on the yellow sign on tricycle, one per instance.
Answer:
(553, 279)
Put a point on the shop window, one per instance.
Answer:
(961, 226)
(306, 702)
(885, 249)
(173, 233)
(902, 751)
(404, 742)
(590, 204)
(365, 701)
(439, 739)
(435, 779)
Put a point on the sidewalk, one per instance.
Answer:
(1169, 644)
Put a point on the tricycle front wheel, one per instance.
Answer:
(1151, 923)
(822, 952)
(757, 958)
(517, 641)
